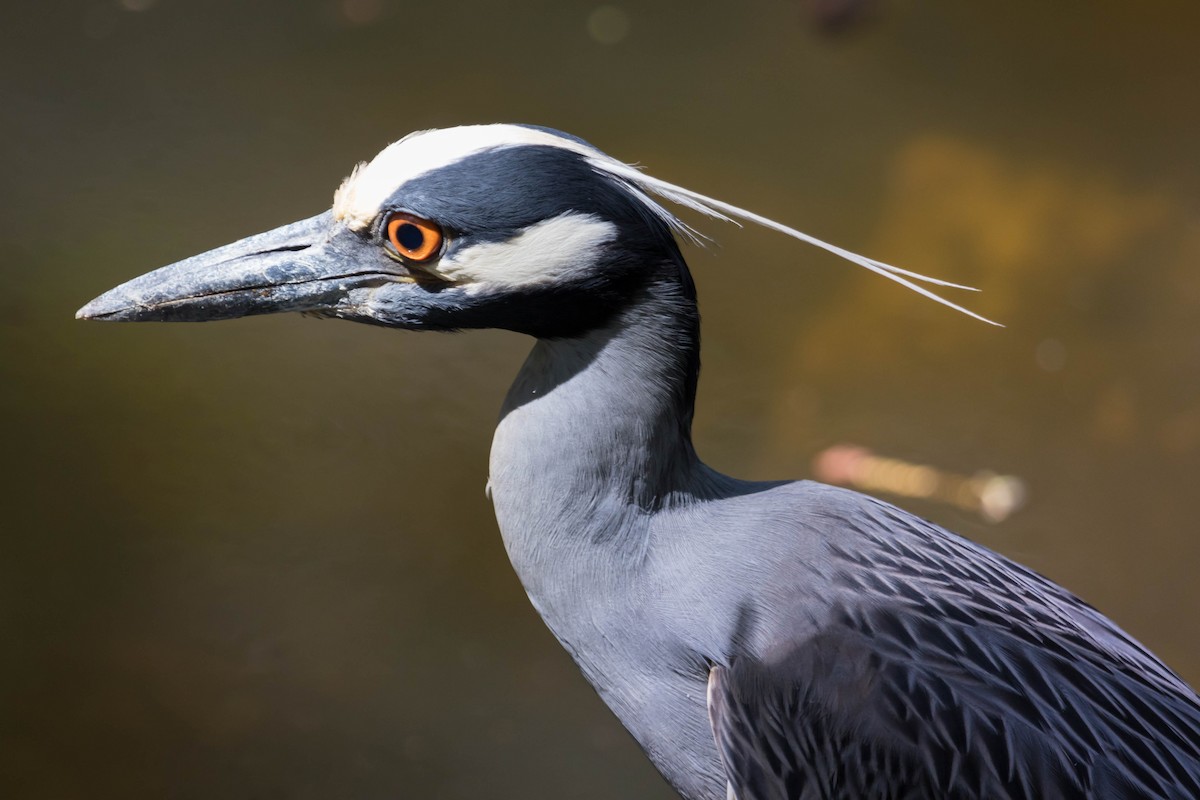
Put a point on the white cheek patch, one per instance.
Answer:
(548, 252)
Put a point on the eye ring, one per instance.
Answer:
(414, 238)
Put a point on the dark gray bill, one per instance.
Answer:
(298, 267)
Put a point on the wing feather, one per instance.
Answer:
(953, 673)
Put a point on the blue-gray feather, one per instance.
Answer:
(948, 671)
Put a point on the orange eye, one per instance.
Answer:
(414, 238)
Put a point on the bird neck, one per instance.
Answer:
(596, 429)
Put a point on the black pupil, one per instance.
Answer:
(409, 236)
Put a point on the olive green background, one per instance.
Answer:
(255, 560)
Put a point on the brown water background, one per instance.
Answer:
(255, 559)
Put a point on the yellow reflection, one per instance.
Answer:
(994, 497)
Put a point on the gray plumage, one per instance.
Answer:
(773, 641)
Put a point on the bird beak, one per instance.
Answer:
(299, 267)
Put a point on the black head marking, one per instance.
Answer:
(493, 194)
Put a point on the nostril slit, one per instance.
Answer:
(290, 248)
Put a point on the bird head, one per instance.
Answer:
(480, 226)
(506, 226)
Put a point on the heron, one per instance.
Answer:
(779, 640)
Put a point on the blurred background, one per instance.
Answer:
(255, 559)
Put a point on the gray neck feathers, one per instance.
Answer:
(595, 435)
(592, 454)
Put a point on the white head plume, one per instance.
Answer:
(632, 177)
